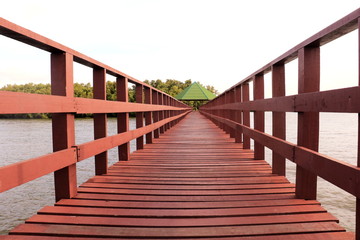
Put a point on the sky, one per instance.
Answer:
(215, 42)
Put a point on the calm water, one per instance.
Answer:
(24, 139)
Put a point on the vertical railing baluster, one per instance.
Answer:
(161, 113)
(278, 118)
(238, 114)
(156, 114)
(63, 124)
(100, 119)
(166, 112)
(148, 115)
(357, 219)
(232, 112)
(139, 92)
(259, 117)
(223, 111)
(246, 113)
(123, 118)
(308, 122)
(226, 112)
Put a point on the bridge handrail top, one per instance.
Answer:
(338, 29)
(24, 35)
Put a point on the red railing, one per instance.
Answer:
(159, 110)
(231, 111)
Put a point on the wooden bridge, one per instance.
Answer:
(196, 178)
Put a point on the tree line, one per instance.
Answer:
(85, 90)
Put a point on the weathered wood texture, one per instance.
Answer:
(193, 182)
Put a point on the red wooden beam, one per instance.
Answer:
(123, 118)
(100, 119)
(148, 115)
(156, 114)
(139, 93)
(24, 171)
(246, 113)
(259, 116)
(238, 114)
(345, 100)
(63, 124)
(308, 122)
(278, 118)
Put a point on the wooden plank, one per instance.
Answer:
(307, 236)
(185, 192)
(189, 213)
(185, 187)
(73, 230)
(184, 198)
(181, 205)
(181, 222)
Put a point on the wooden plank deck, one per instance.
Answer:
(194, 182)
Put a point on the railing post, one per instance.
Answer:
(166, 112)
(246, 114)
(139, 91)
(223, 111)
(278, 118)
(63, 124)
(232, 112)
(100, 119)
(308, 122)
(357, 221)
(259, 117)
(226, 112)
(156, 114)
(123, 118)
(148, 115)
(238, 114)
(161, 113)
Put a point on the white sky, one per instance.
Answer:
(216, 42)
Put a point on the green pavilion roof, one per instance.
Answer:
(195, 92)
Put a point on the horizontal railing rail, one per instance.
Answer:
(157, 109)
(231, 111)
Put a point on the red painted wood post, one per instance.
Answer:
(123, 118)
(357, 224)
(166, 112)
(100, 119)
(259, 116)
(246, 113)
(173, 113)
(148, 115)
(226, 112)
(232, 112)
(278, 118)
(139, 92)
(161, 113)
(156, 114)
(308, 122)
(238, 114)
(63, 124)
(223, 112)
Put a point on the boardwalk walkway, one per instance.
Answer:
(193, 182)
